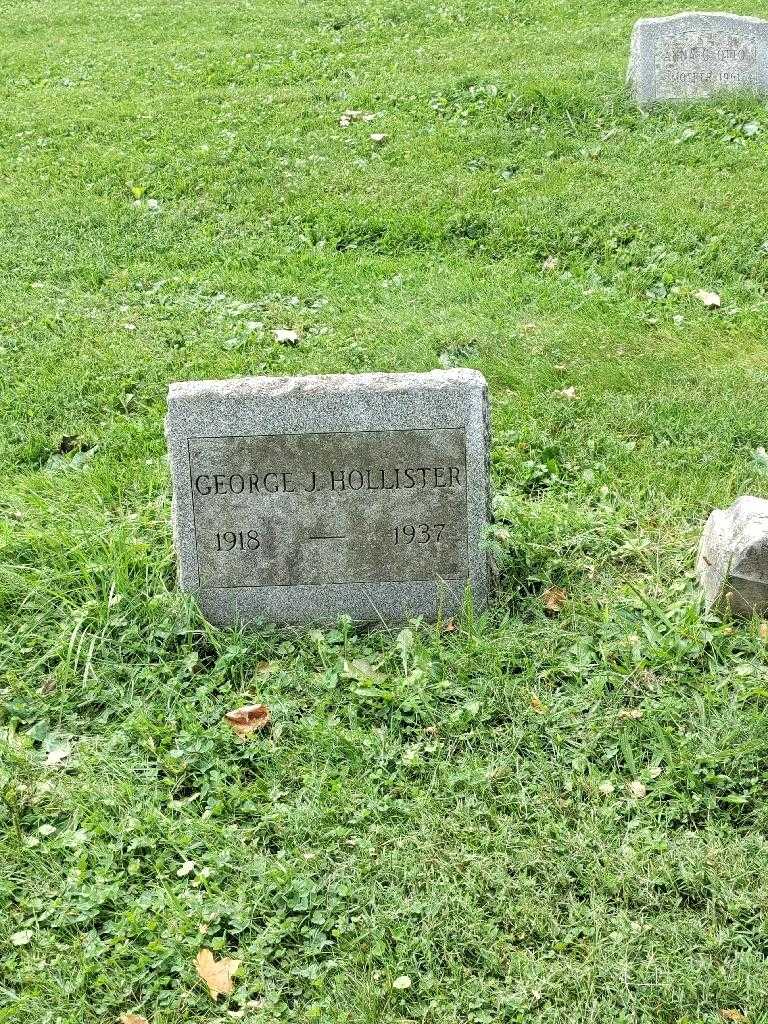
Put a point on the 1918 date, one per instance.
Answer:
(238, 540)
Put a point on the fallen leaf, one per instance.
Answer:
(186, 869)
(132, 1018)
(553, 600)
(361, 671)
(637, 789)
(22, 938)
(550, 263)
(537, 705)
(654, 773)
(732, 1015)
(710, 299)
(402, 983)
(56, 756)
(349, 116)
(606, 788)
(286, 336)
(217, 974)
(569, 393)
(248, 719)
(634, 713)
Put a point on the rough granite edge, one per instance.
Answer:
(280, 387)
(668, 19)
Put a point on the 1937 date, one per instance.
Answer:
(418, 533)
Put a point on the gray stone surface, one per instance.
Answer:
(299, 499)
(732, 563)
(697, 54)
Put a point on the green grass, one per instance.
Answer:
(442, 810)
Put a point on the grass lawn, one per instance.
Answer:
(558, 820)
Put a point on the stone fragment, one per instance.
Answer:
(732, 563)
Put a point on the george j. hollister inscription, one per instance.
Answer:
(694, 55)
(300, 499)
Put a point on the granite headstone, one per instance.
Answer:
(694, 55)
(300, 499)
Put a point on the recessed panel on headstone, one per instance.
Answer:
(301, 499)
(695, 55)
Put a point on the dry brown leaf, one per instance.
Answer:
(630, 713)
(248, 719)
(48, 685)
(764, 631)
(132, 1018)
(537, 705)
(637, 789)
(553, 600)
(710, 299)
(217, 974)
(550, 263)
(732, 1015)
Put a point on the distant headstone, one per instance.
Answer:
(695, 55)
(299, 499)
(732, 563)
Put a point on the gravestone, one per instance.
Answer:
(732, 562)
(695, 55)
(300, 499)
